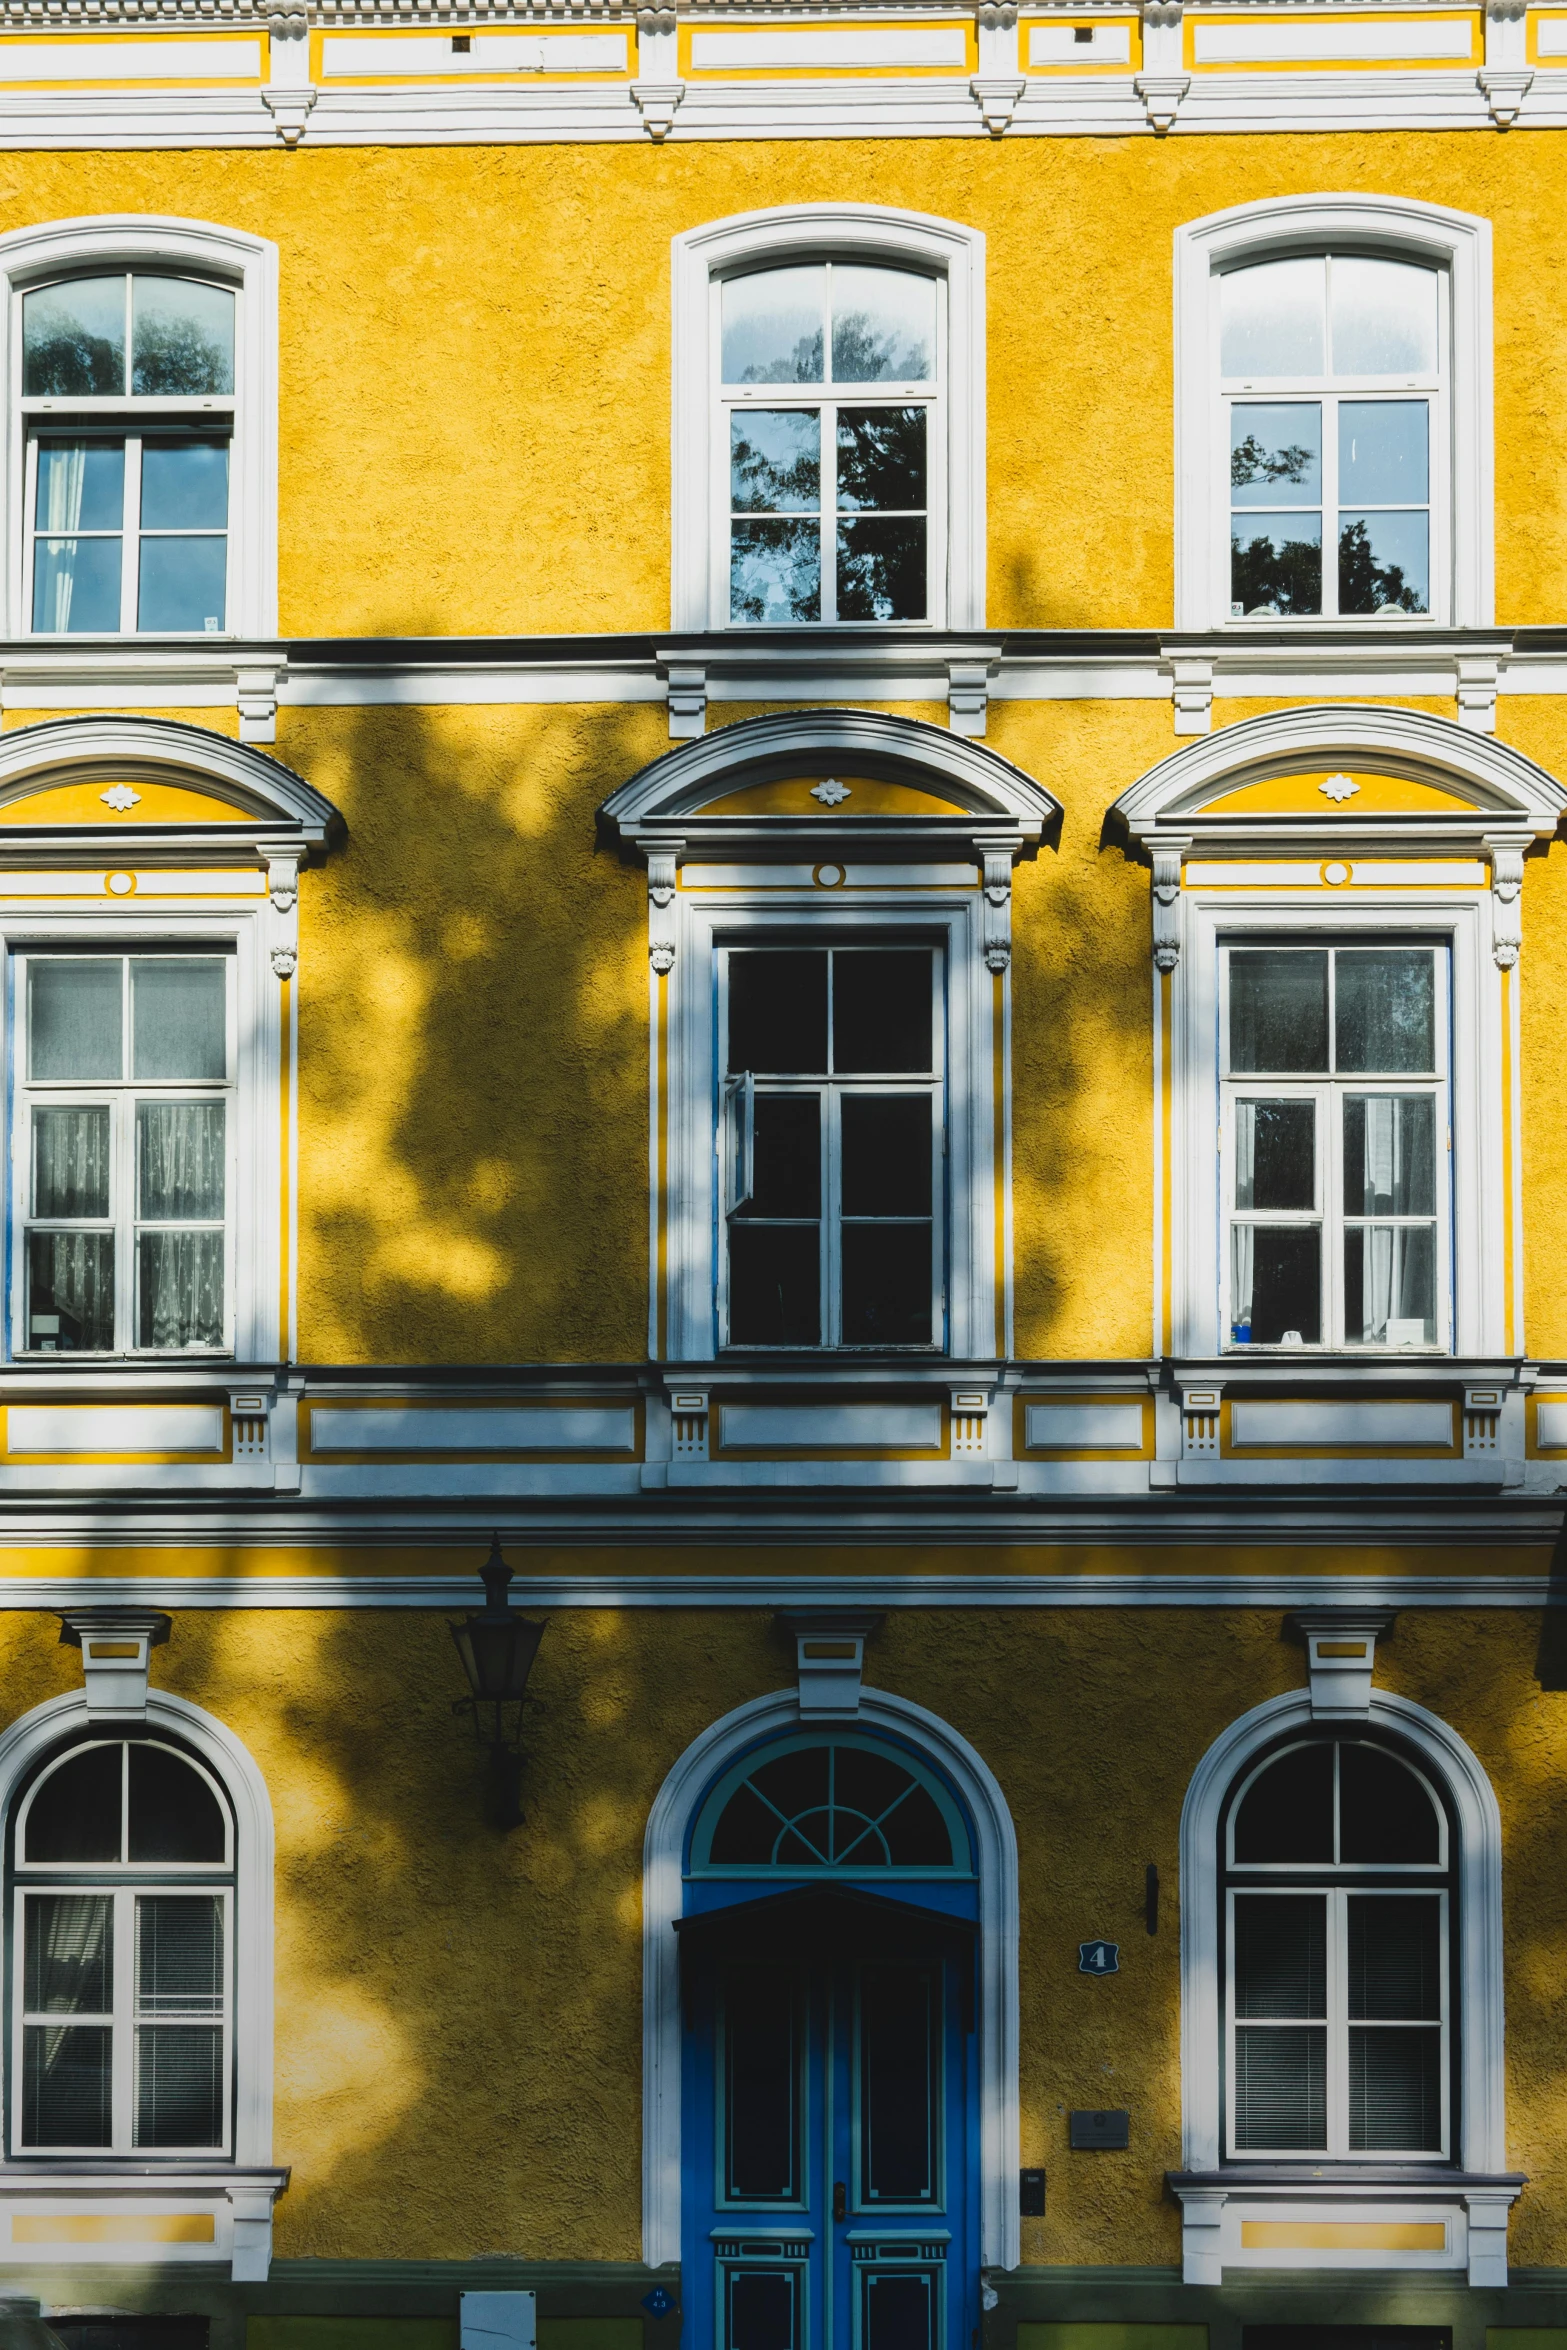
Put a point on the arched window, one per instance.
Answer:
(1333, 415)
(845, 1804)
(1331, 380)
(1337, 1928)
(829, 421)
(122, 1867)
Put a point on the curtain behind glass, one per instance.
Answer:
(68, 1964)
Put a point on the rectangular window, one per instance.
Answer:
(123, 2009)
(1335, 1144)
(1338, 2023)
(832, 1138)
(122, 1157)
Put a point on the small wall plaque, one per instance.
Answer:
(1099, 1958)
(1031, 2194)
(1101, 2132)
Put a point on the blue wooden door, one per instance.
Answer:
(830, 2129)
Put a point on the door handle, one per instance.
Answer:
(840, 2200)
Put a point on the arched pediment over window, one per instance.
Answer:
(152, 788)
(875, 784)
(1345, 775)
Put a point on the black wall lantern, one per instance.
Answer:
(497, 1647)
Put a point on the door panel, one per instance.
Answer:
(830, 2138)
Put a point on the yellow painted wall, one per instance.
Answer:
(459, 2017)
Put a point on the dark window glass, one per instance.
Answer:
(882, 1011)
(174, 1814)
(1281, 1965)
(70, 1292)
(828, 1805)
(1395, 1958)
(778, 1013)
(787, 1156)
(1287, 1812)
(1281, 2089)
(761, 2086)
(68, 1963)
(774, 1284)
(1386, 1010)
(75, 1814)
(1395, 2091)
(1277, 1281)
(65, 2085)
(886, 1285)
(1278, 1009)
(1389, 1154)
(900, 2014)
(887, 1145)
(1386, 1813)
(179, 2085)
(179, 1954)
(1275, 1154)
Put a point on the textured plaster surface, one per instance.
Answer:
(458, 2031)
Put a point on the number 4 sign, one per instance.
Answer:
(1099, 1958)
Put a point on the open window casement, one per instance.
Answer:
(829, 900)
(1336, 928)
(149, 1040)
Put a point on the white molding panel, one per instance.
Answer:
(1106, 1427)
(217, 59)
(817, 1427)
(114, 1428)
(1332, 37)
(455, 1428)
(1365, 1424)
(376, 55)
(818, 47)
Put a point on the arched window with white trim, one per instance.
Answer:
(829, 421)
(1333, 415)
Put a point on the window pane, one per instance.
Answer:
(1387, 1814)
(66, 2092)
(881, 458)
(179, 1954)
(69, 1964)
(778, 1013)
(75, 1814)
(178, 1024)
(774, 1284)
(775, 461)
(773, 326)
(1280, 2089)
(179, 1286)
(775, 572)
(1382, 452)
(182, 337)
(71, 1162)
(179, 2085)
(1395, 2092)
(185, 485)
(1384, 318)
(1389, 1154)
(1386, 1010)
(1276, 454)
(886, 1284)
(887, 1144)
(900, 2056)
(787, 1161)
(1275, 565)
(908, 1829)
(1278, 1009)
(70, 1292)
(81, 486)
(1384, 563)
(183, 585)
(1276, 1284)
(1287, 1812)
(1395, 1959)
(1281, 1955)
(1390, 1285)
(1271, 318)
(73, 339)
(1275, 1154)
(180, 1160)
(883, 326)
(76, 586)
(761, 2085)
(881, 1012)
(881, 570)
(174, 1814)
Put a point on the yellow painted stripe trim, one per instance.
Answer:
(114, 2227)
(1342, 2235)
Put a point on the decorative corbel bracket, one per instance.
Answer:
(290, 94)
(686, 685)
(829, 1650)
(1506, 855)
(998, 904)
(283, 883)
(1341, 1655)
(968, 696)
(657, 103)
(1161, 94)
(256, 686)
(997, 96)
(1191, 688)
(1504, 89)
(1476, 691)
(116, 1645)
(662, 865)
(1167, 855)
(1164, 81)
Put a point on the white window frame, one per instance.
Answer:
(1459, 921)
(754, 910)
(122, 1883)
(254, 1143)
(1327, 1090)
(1394, 228)
(34, 257)
(865, 234)
(734, 1136)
